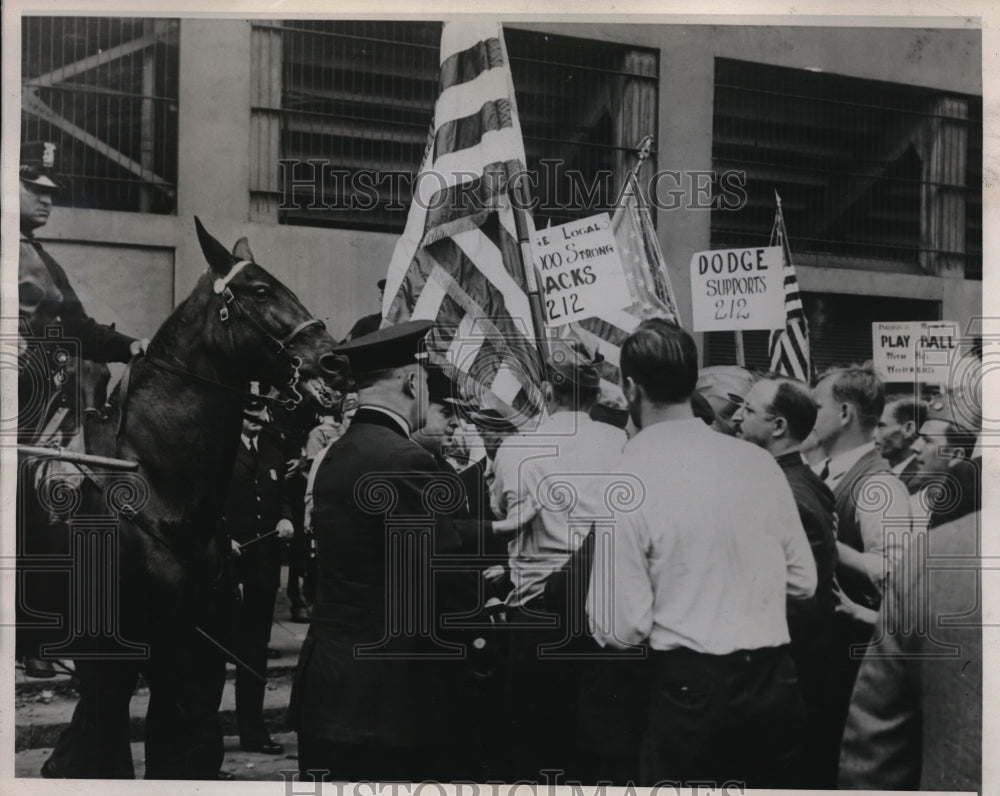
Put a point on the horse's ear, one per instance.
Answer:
(242, 251)
(219, 260)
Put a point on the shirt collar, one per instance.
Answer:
(395, 416)
(247, 442)
(842, 462)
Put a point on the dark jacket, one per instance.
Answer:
(255, 504)
(98, 342)
(374, 669)
(809, 621)
(845, 494)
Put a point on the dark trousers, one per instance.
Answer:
(843, 671)
(331, 761)
(543, 685)
(722, 718)
(301, 589)
(252, 633)
(817, 764)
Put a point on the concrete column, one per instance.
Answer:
(213, 180)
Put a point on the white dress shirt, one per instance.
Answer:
(708, 558)
(562, 469)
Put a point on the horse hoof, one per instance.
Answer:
(227, 776)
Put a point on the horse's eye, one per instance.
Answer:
(261, 292)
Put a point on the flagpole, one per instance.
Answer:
(660, 278)
(519, 204)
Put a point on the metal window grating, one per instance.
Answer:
(359, 96)
(877, 173)
(104, 90)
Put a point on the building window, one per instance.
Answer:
(104, 90)
(359, 96)
(840, 330)
(871, 174)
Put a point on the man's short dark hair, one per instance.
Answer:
(793, 401)
(906, 409)
(372, 377)
(663, 359)
(860, 386)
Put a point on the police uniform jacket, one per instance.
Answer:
(381, 530)
(255, 504)
(47, 299)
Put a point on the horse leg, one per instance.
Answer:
(186, 674)
(95, 745)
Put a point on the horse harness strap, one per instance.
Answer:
(221, 289)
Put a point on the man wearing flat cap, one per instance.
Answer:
(373, 694)
(568, 447)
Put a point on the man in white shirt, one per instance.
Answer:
(699, 572)
(562, 472)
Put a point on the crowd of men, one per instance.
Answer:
(718, 580)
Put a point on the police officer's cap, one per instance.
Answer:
(442, 389)
(569, 361)
(38, 160)
(391, 347)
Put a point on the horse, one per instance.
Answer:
(177, 413)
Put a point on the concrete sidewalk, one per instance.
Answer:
(43, 707)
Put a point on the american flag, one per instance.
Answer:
(648, 283)
(458, 261)
(789, 347)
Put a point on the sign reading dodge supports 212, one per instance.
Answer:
(580, 270)
(737, 289)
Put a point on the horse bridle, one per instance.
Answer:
(227, 298)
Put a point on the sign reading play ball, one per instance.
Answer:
(737, 289)
(912, 350)
(580, 270)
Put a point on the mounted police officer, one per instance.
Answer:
(60, 351)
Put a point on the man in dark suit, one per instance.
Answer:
(777, 414)
(896, 432)
(258, 520)
(873, 513)
(373, 696)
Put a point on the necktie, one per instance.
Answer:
(825, 472)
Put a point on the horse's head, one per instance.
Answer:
(266, 329)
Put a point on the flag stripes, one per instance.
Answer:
(789, 347)
(458, 260)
